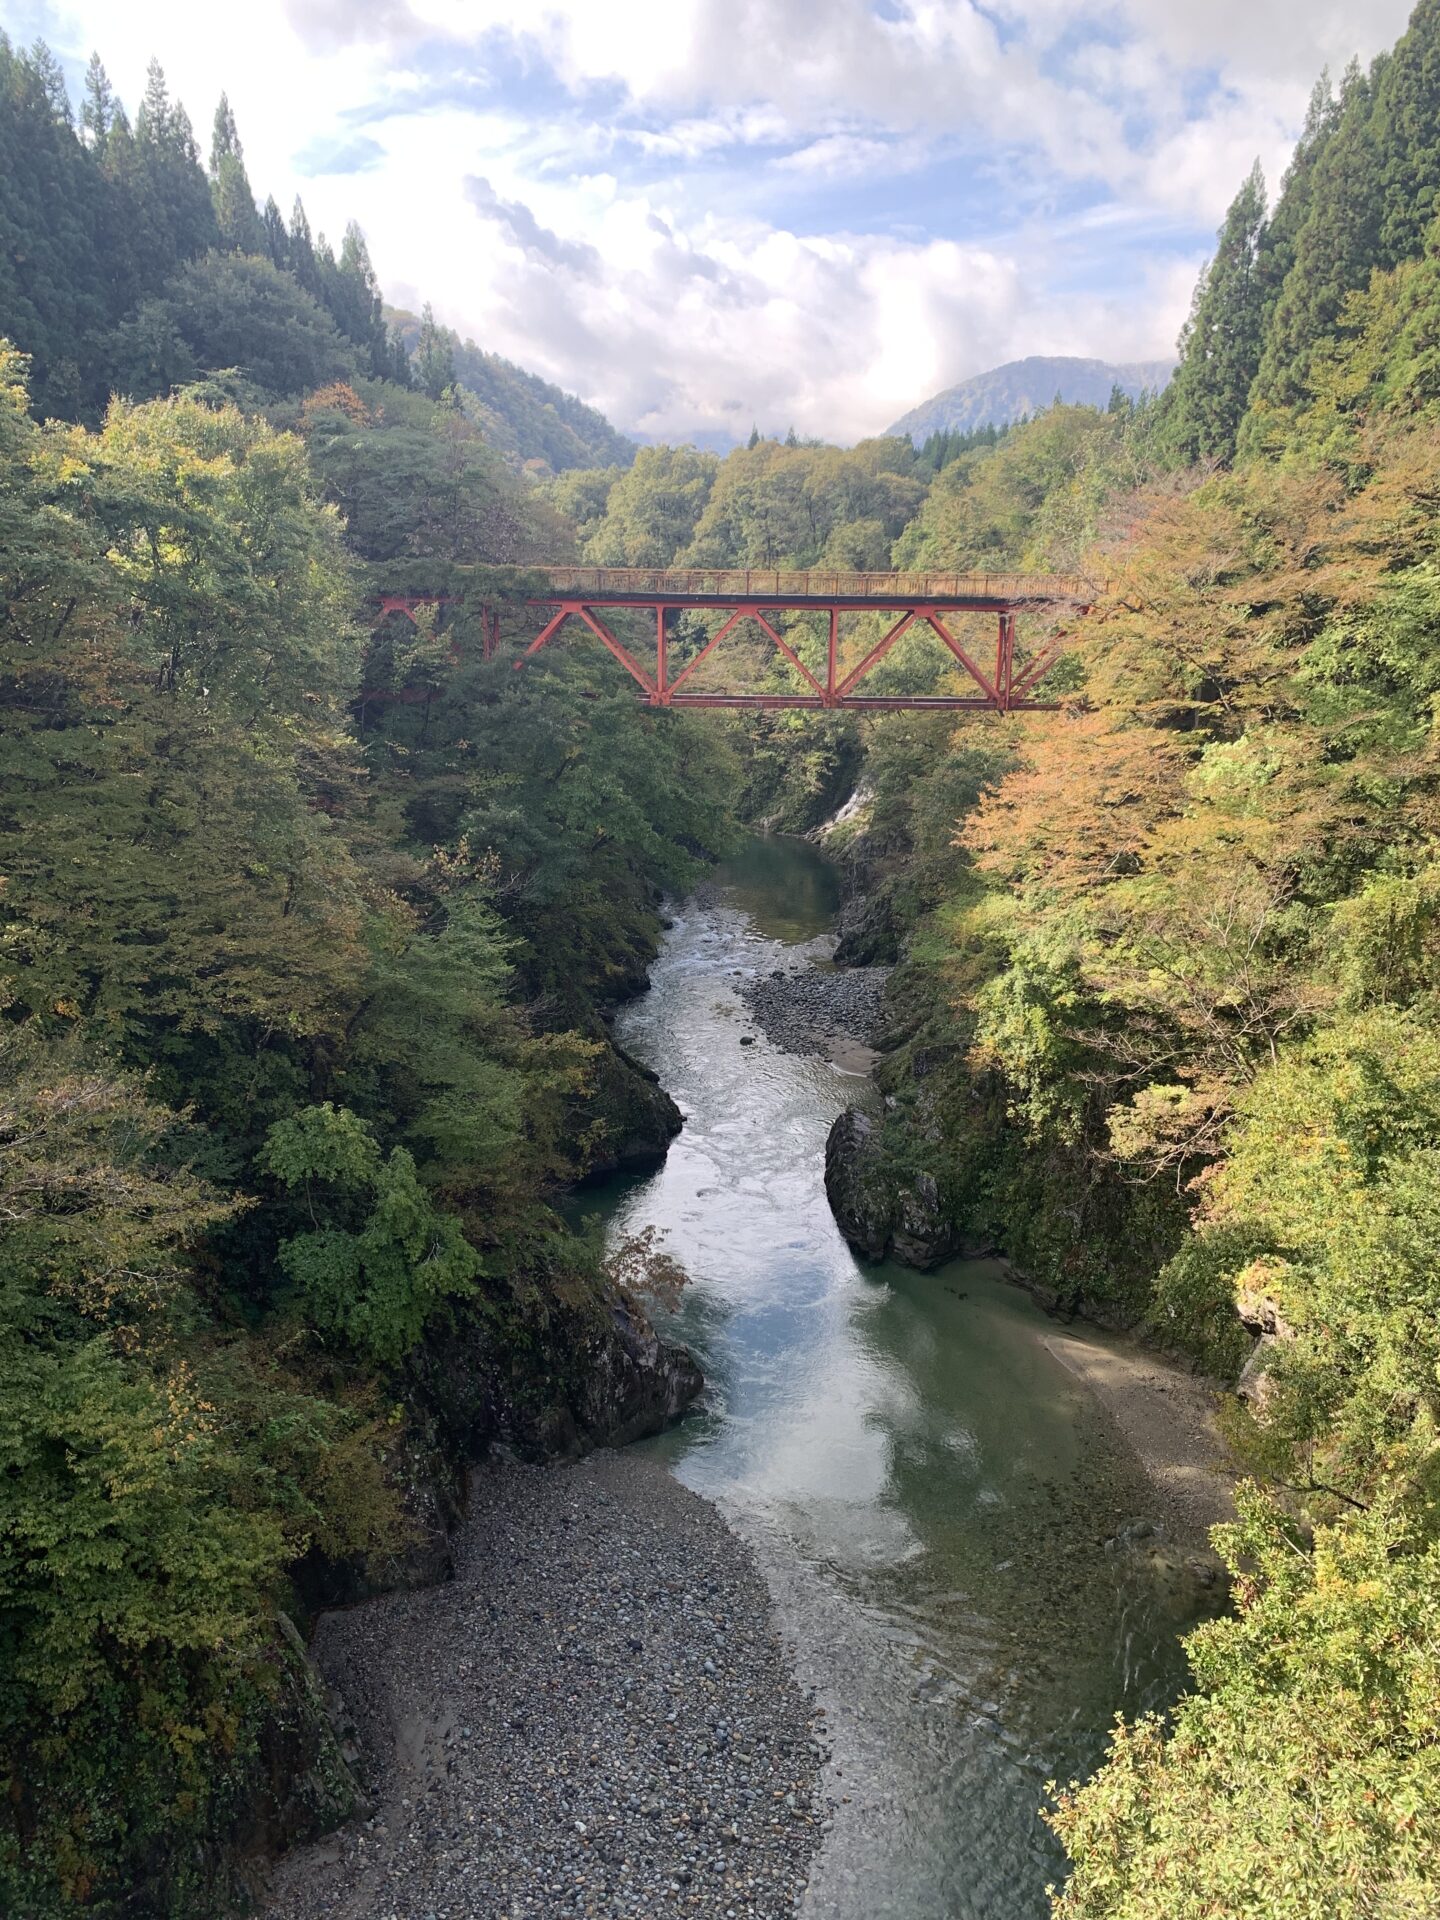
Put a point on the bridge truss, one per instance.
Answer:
(1004, 683)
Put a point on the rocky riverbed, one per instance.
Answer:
(817, 1009)
(595, 1717)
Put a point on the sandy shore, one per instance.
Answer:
(1168, 1418)
(595, 1718)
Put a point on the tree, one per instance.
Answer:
(434, 357)
(1302, 1777)
(97, 113)
(380, 1262)
(302, 262)
(51, 77)
(53, 234)
(277, 240)
(236, 220)
(1201, 410)
(355, 304)
(651, 512)
(233, 311)
(175, 217)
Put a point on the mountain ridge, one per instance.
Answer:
(1008, 393)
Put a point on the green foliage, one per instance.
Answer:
(1303, 1775)
(650, 512)
(774, 505)
(267, 1092)
(1201, 410)
(381, 1280)
(231, 311)
(1031, 500)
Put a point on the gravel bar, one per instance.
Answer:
(595, 1717)
(805, 1008)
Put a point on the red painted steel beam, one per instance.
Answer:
(1039, 667)
(546, 634)
(603, 633)
(708, 648)
(788, 651)
(889, 603)
(961, 655)
(875, 655)
(860, 702)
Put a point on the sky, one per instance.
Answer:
(702, 215)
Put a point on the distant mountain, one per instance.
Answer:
(1010, 392)
(524, 416)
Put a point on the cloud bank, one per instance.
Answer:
(706, 213)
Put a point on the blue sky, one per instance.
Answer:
(700, 214)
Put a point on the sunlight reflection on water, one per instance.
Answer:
(933, 1496)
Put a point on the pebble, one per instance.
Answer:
(594, 1718)
(805, 1008)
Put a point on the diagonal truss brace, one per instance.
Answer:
(1003, 692)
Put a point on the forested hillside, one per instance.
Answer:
(521, 414)
(307, 926)
(130, 264)
(304, 932)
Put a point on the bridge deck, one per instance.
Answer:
(826, 587)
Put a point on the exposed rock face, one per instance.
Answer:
(866, 931)
(1262, 1315)
(921, 1235)
(883, 1212)
(635, 1383)
(863, 1208)
(638, 1117)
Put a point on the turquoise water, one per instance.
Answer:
(935, 1498)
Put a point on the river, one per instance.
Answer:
(945, 1514)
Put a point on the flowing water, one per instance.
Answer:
(944, 1512)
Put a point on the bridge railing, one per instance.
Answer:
(729, 584)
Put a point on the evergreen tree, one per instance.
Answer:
(1335, 251)
(754, 439)
(1277, 241)
(355, 303)
(53, 281)
(277, 241)
(52, 83)
(434, 356)
(98, 111)
(235, 216)
(302, 261)
(224, 137)
(174, 215)
(1201, 411)
(1407, 133)
(153, 120)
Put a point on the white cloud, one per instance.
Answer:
(638, 240)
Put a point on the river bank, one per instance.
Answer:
(593, 1717)
(940, 1511)
(1168, 1416)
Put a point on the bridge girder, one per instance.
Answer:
(1002, 687)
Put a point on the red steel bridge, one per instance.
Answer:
(762, 597)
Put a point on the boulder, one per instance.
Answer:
(638, 1119)
(863, 1206)
(922, 1236)
(882, 1210)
